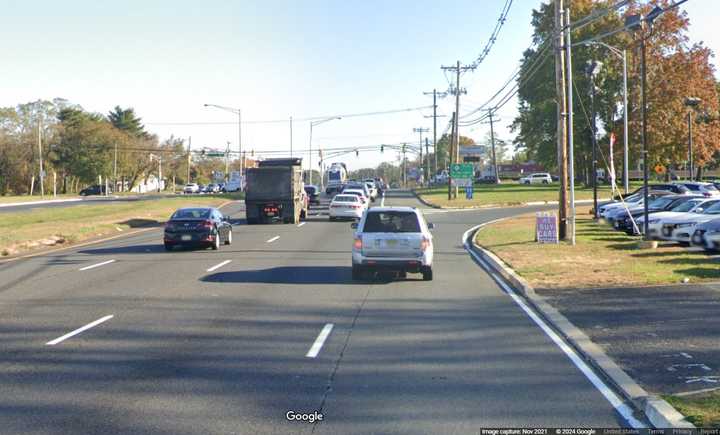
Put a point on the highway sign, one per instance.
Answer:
(462, 170)
(215, 154)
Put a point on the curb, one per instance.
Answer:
(658, 412)
(520, 204)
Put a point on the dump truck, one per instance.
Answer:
(274, 191)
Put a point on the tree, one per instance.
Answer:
(126, 120)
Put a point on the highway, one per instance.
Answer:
(229, 341)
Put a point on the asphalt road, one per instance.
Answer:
(192, 351)
(95, 200)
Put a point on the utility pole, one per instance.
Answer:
(42, 175)
(450, 154)
(427, 159)
(422, 162)
(592, 70)
(570, 129)
(435, 117)
(115, 169)
(404, 170)
(240, 152)
(492, 140)
(560, 86)
(227, 162)
(188, 162)
(456, 125)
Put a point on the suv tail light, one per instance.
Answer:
(357, 244)
(424, 244)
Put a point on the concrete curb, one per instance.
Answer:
(480, 207)
(658, 412)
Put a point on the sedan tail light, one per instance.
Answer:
(207, 224)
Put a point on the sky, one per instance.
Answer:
(273, 60)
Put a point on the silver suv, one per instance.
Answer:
(392, 238)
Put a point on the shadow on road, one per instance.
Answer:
(141, 223)
(317, 275)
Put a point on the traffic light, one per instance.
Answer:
(382, 148)
(357, 153)
(252, 153)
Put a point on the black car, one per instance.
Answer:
(197, 226)
(313, 193)
(94, 190)
(677, 189)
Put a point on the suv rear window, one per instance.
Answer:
(391, 222)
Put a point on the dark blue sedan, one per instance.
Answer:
(198, 227)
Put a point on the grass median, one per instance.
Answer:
(702, 410)
(602, 257)
(25, 231)
(507, 194)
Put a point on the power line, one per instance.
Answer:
(311, 118)
(494, 34)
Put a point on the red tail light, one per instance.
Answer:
(357, 244)
(424, 244)
(207, 224)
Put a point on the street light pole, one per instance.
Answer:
(238, 112)
(691, 103)
(592, 70)
(313, 124)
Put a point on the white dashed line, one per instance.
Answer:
(79, 330)
(218, 266)
(93, 266)
(319, 341)
(273, 239)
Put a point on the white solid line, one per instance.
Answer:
(301, 224)
(624, 410)
(79, 330)
(93, 266)
(273, 239)
(319, 341)
(218, 266)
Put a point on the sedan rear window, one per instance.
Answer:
(192, 213)
(346, 198)
(391, 222)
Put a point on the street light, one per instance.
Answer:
(313, 124)
(592, 69)
(238, 112)
(692, 103)
(622, 54)
(638, 23)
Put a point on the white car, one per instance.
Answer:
(360, 193)
(191, 188)
(395, 239)
(372, 190)
(687, 210)
(681, 228)
(346, 207)
(540, 177)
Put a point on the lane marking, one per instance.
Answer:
(301, 224)
(623, 409)
(218, 266)
(319, 341)
(93, 266)
(273, 239)
(79, 330)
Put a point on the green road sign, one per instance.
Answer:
(215, 154)
(462, 170)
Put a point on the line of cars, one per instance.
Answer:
(353, 199)
(683, 212)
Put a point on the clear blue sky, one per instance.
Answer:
(274, 59)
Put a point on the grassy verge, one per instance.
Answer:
(25, 231)
(602, 257)
(9, 199)
(508, 193)
(701, 410)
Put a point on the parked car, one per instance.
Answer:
(707, 235)
(212, 188)
(395, 239)
(313, 193)
(191, 188)
(670, 187)
(623, 222)
(540, 177)
(95, 190)
(657, 221)
(706, 189)
(344, 206)
(681, 228)
(197, 226)
(612, 214)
